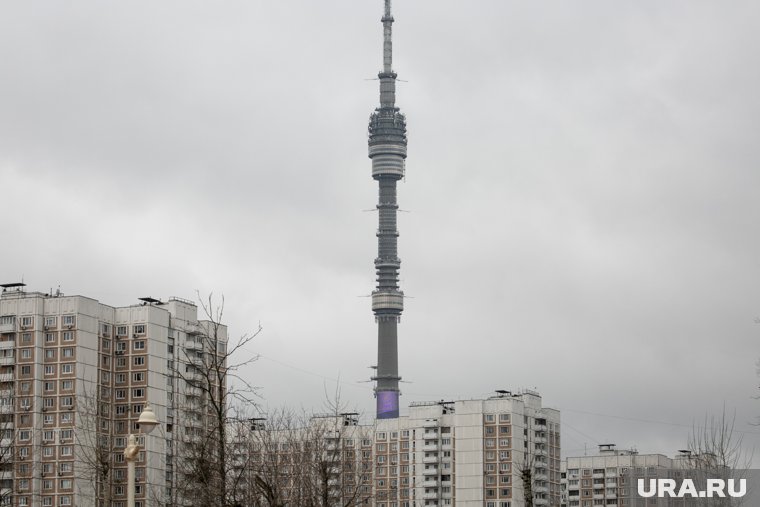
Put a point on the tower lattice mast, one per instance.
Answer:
(387, 149)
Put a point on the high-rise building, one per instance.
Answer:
(75, 374)
(387, 149)
(484, 453)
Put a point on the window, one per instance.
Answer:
(67, 368)
(66, 418)
(67, 401)
(138, 377)
(138, 392)
(139, 360)
(47, 501)
(24, 434)
(64, 467)
(26, 337)
(26, 353)
(48, 402)
(50, 321)
(47, 451)
(68, 352)
(66, 435)
(49, 369)
(50, 354)
(66, 450)
(139, 345)
(121, 346)
(49, 337)
(27, 322)
(68, 336)
(67, 385)
(26, 370)
(48, 419)
(69, 320)
(121, 394)
(26, 387)
(139, 329)
(489, 418)
(65, 499)
(121, 362)
(121, 378)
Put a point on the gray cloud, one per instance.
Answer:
(581, 183)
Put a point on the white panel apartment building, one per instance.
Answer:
(466, 453)
(605, 479)
(74, 376)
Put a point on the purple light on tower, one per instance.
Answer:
(387, 149)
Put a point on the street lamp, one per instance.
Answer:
(146, 422)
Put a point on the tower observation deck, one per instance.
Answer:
(387, 149)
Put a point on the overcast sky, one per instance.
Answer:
(581, 184)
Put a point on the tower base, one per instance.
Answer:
(387, 404)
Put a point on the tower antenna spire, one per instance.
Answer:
(387, 149)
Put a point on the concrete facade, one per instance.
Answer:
(75, 375)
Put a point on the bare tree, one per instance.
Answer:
(715, 451)
(93, 438)
(211, 388)
(311, 460)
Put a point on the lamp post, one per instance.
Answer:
(147, 422)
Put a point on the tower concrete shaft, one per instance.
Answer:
(387, 149)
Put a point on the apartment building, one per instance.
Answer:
(608, 478)
(467, 453)
(75, 374)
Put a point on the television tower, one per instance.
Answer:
(387, 149)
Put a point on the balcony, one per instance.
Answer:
(431, 459)
(7, 324)
(430, 471)
(6, 377)
(540, 489)
(430, 482)
(540, 501)
(430, 445)
(7, 360)
(7, 344)
(430, 496)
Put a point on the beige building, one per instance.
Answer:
(74, 376)
(608, 477)
(466, 453)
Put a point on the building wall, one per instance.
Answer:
(466, 453)
(74, 376)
